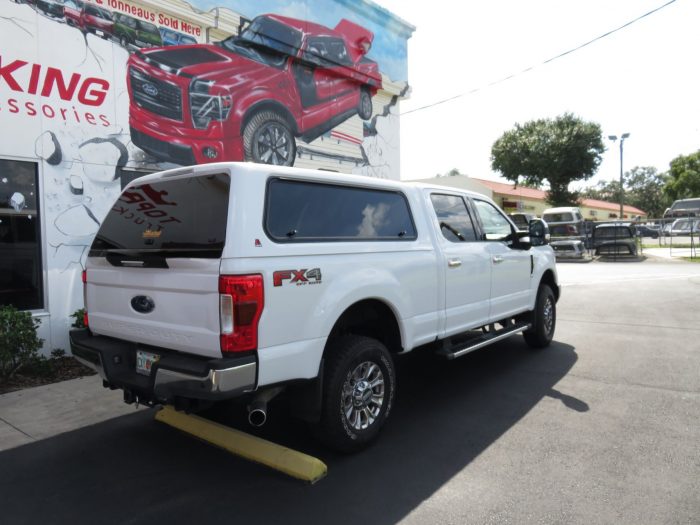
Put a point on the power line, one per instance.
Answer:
(552, 59)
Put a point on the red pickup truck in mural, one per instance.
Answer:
(89, 18)
(249, 96)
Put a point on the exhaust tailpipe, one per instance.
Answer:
(257, 413)
(257, 410)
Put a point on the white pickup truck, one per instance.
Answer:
(234, 280)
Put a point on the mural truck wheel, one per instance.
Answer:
(124, 42)
(267, 139)
(364, 110)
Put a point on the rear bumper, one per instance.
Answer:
(175, 375)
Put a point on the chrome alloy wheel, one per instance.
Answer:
(548, 316)
(274, 144)
(363, 395)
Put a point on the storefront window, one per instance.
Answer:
(21, 272)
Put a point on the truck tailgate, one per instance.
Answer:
(183, 300)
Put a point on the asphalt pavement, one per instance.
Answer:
(601, 427)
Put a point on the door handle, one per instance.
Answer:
(497, 259)
(454, 263)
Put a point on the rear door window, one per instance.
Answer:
(299, 211)
(172, 218)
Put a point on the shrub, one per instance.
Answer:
(19, 344)
(57, 353)
(78, 318)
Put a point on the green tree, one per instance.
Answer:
(644, 189)
(603, 191)
(557, 151)
(684, 177)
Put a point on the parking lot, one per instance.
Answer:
(601, 427)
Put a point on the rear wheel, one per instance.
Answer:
(543, 319)
(364, 109)
(359, 386)
(267, 139)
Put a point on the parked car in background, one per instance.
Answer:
(71, 11)
(684, 208)
(90, 18)
(522, 220)
(614, 239)
(138, 33)
(566, 227)
(173, 38)
(685, 227)
(646, 230)
(51, 7)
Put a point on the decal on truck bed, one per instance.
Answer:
(298, 277)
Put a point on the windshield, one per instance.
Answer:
(266, 41)
(175, 218)
(686, 204)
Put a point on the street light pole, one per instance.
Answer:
(622, 189)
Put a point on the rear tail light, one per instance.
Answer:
(241, 303)
(85, 314)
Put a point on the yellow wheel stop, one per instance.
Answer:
(291, 462)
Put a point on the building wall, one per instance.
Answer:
(66, 115)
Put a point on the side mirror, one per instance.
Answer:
(538, 232)
(524, 242)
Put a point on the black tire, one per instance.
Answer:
(124, 42)
(364, 108)
(352, 415)
(267, 139)
(543, 319)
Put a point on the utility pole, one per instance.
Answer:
(622, 188)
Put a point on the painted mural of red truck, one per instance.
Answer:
(249, 96)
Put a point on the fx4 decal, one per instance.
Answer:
(298, 277)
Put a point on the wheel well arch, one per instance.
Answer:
(270, 105)
(548, 278)
(371, 318)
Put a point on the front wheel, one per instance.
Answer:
(543, 319)
(359, 387)
(267, 139)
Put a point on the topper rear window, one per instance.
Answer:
(306, 212)
(173, 218)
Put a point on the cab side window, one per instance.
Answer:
(455, 222)
(496, 227)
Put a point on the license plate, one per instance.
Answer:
(145, 362)
(99, 33)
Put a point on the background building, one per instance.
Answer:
(86, 106)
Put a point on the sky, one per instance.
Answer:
(643, 80)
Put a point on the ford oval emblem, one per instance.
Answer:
(143, 304)
(149, 89)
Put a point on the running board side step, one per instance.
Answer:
(464, 347)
